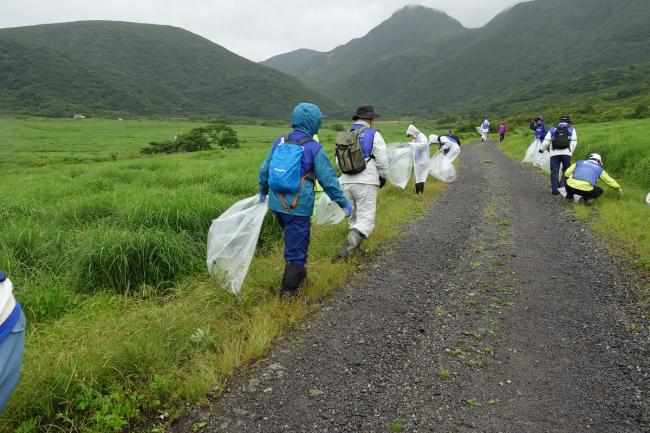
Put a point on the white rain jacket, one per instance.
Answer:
(485, 126)
(546, 145)
(449, 146)
(421, 154)
(375, 168)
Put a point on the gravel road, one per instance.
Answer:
(496, 312)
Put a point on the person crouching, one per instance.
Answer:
(582, 178)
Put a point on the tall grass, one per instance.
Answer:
(624, 221)
(107, 251)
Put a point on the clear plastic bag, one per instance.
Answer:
(542, 160)
(530, 153)
(479, 130)
(232, 240)
(442, 169)
(328, 212)
(400, 159)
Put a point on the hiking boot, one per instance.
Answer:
(294, 275)
(352, 242)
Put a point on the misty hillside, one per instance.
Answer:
(103, 67)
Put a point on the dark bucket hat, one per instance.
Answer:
(365, 112)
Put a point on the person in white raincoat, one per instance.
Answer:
(485, 129)
(448, 145)
(421, 157)
(361, 188)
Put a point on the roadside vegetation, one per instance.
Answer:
(106, 248)
(623, 220)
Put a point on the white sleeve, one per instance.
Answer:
(574, 140)
(420, 143)
(381, 156)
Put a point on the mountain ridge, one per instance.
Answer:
(117, 67)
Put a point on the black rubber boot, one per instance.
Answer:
(294, 275)
(419, 188)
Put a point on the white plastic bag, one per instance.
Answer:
(542, 160)
(442, 169)
(479, 130)
(400, 160)
(530, 153)
(328, 212)
(231, 242)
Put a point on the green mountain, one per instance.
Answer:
(534, 54)
(383, 61)
(104, 68)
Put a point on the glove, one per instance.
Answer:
(348, 210)
(382, 182)
(262, 197)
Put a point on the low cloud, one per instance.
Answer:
(256, 29)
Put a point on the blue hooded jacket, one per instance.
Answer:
(305, 120)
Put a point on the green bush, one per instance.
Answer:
(203, 138)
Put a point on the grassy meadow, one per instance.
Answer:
(624, 220)
(106, 249)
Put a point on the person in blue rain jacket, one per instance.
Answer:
(294, 211)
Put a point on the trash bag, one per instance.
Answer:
(542, 160)
(328, 212)
(400, 159)
(530, 153)
(231, 242)
(442, 169)
(479, 130)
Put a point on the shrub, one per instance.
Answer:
(338, 127)
(203, 138)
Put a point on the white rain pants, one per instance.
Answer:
(363, 199)
(484, 135)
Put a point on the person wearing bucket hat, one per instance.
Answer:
(537, 124)
(287, 177)
(361, 181)
(582, 178)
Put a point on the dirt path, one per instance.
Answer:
(496, 313)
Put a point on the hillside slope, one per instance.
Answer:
(103, 67)
(536, 53)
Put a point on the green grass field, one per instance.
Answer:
(107, 252)
(624, 221)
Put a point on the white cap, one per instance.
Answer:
(433, 138)
(596, 157)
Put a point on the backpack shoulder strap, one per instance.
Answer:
(306, 139)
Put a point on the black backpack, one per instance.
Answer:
(562, 139)
(453, 137)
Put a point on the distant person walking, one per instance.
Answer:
(361, 184)
(485, 130)
(298, 152)
(537, 125)
(421, 157)
(503, 128)
(562, 141)
(12, 340)
(583, 176)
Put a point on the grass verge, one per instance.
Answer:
(623, 221)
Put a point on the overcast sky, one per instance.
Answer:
(256, 29)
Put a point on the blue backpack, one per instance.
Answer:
(285, 169)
